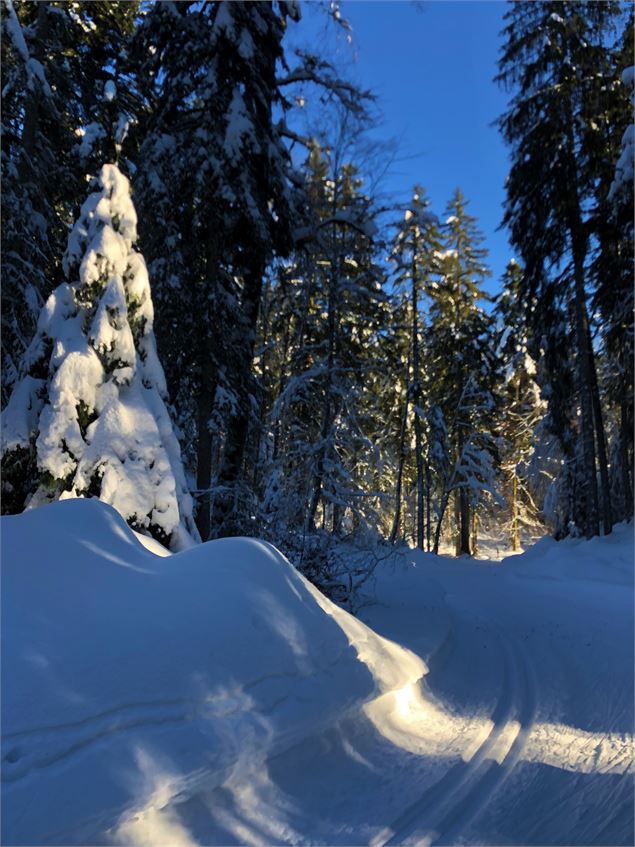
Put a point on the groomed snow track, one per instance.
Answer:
(447, 807)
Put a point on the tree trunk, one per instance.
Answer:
(327, 417)
(457, 522)
(337, 518)
(578, 250)
(462, 506)
(428, 496)
(626, 467)
(600, 440)
(238, 424)
(402, 458)
(437, 533)
(474, 533)
(204, 449)
(31, 123)
(589, 479)
(515, 530)
(464, 500)
(416, 400)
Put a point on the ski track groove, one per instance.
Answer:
(446, 808)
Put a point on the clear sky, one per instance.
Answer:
(431, 65)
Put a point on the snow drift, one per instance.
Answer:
(128, 678)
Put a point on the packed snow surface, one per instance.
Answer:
(214, 696)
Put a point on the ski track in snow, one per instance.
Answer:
(445, 809)
(41, 747)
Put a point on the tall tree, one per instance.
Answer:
(552, 60)
(416, 253)
(213, 170)
(461, 360)
(323, 414)
(520, 409)
(612, 267)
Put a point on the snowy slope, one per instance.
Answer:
(215, 697)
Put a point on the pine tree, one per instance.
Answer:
(553, 56)
(213, 174)
(324, 414)
(462, 366)
(88, 416)
(57, 60)
(416, 254)
(520, 407)
(612, 266)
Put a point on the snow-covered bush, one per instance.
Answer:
(88, 417)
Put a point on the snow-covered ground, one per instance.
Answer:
(214, 696)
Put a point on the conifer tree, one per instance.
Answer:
(213, 183)
(416, 254)
(612, 267)
(552, 59)
(520, 407)
(462, 366)
(324, 414)
(88, 416)
(58, 62)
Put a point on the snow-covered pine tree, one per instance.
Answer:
(416, 253)
(88, 415)
(325, 413)
(57, 61)
(462, 366)
(520, 409)
(213, 184)
(554, 59)
(612, 266)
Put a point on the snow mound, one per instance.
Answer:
(130, 679)
(607, 559)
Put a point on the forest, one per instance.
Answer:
(214, 320)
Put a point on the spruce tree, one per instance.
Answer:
(520, 409)
(462, 366)
(58, 61)
(612, 266)
(324, 415)
(213, 186)
(88, 416)
(552, 60)
(416, 255)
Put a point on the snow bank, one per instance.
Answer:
(607, 559)
(130, 680)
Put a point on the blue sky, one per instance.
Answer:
(431, 65)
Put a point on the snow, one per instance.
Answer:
(110, 90)
(89, 134)
(239, 130)
(215, 696)
(35, 74)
